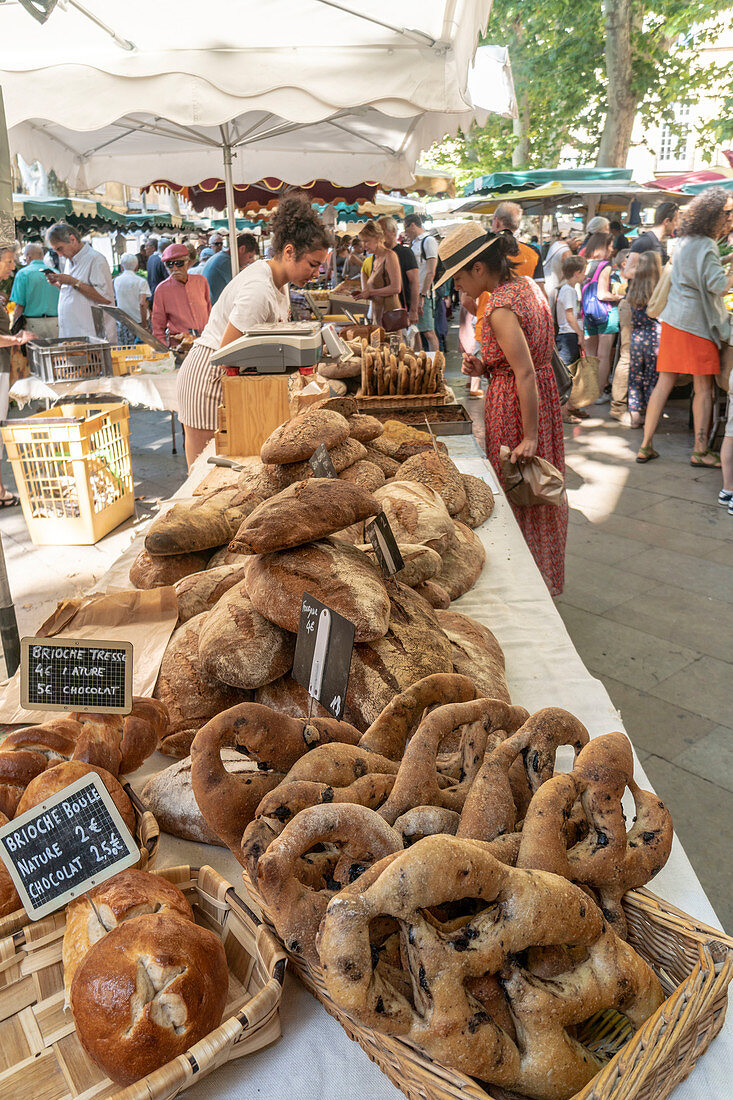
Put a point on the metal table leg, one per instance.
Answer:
(173, 433)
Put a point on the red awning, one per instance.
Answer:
(675, 183)
(264, 194)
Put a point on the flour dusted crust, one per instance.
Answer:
(191, 695)
(148, 571)
(416, 514)
(240, 647)
(462, 563)
(198, 592)
(476, 654)
(364, 473)
(174, 968)
(331, 570)
(226, 557)
(257, 479)
(437, 471)
(303, 512)
(200, 524)
(169, 796)
(479, 501)
(297, 439)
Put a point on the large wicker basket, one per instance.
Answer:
(693, 962)
(147, 834)
(40, 1055)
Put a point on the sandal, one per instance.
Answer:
(11, 501)
(698, 459)
(646, 454)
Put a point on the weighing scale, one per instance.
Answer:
(272, 349)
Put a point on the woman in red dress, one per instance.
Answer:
(522, 407)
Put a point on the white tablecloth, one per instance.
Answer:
(314, 1057)
(151, 390)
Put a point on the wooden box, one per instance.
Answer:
(254, 405)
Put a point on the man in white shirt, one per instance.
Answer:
(425, 250)
(131, 295)
(86, 281)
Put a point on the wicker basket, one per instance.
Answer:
(40, 1054)
(693, 962)
(147, 834)
(402, 400)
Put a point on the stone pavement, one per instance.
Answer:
(648, 603)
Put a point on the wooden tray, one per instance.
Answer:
(147, 834)
(413, 416)
(40, 1055)
(693, 962)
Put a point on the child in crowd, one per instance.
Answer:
(570, 339)
(620, 387)
(645, 333)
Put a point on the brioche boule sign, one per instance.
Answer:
(59, 849)
(381, 536)
(76, 674)
(323, 654)
(321, 463)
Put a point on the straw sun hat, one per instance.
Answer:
(461, 245)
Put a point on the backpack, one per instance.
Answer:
(439, 267)
(593, 308)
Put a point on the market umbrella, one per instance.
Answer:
(305, 90)
(263, 195)
(516, 181)
(696, 188)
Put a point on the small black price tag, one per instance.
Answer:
(75, 674)
(59, 849)
(381, 536)
(323, 654)
(321, 463)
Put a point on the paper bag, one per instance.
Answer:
(585, 389)
(303, 392)
(535, 481)
(144, 617)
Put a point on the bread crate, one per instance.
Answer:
(72, 467)
(127, 357)
(71, 359)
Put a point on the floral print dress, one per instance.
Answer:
(544, 526)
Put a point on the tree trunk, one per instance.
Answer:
(520, 126)
(622, 101)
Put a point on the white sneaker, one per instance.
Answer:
(604, 399)
(730, 508)
(725, 496)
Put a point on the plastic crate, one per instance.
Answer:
(126, 358)
(73, 472)
(71, 359)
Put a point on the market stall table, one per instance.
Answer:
(315, 1056)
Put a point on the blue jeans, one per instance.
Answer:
(568, 347)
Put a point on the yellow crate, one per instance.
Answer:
(73, 471)
(127, 356)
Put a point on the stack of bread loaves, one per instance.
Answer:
(300, 533)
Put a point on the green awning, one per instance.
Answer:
(82, 214)
(517, 181)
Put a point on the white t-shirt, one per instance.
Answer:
(427, 245)
(129, 288)
(75, 311)
(251, 298)
(567, 298)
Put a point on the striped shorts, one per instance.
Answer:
(199, 390)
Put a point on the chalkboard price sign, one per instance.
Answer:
(321, 463)
(323, 654)
(59, 849)
(381, 536)
(76, 674)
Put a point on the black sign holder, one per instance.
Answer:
(323, 655)
(76, 674)
(381, 536)
(320, 462)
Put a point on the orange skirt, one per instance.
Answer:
(682, 353)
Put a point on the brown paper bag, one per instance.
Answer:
(534, 482)
(298, 399)
(585, 389)
(145, 617)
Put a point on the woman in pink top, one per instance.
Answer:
(182, 303)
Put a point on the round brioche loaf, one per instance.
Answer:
(147, 992)
(332, 571)
(55, 779)
(240, 647)
(297, 439)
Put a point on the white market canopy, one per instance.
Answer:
(299, 90)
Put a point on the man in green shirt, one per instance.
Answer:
(34, 296)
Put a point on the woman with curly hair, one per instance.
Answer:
(257, 295)
(695, 323)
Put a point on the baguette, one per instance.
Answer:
(393, 374)
(379, 369)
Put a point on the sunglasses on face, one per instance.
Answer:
(174, 263)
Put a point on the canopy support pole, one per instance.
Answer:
(231, 208)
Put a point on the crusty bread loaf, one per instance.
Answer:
(365, 428)
(200, 524)
(346, 454)
(345, 405)
(191, 695)
(129, 894)
(240, 647)
(421, 563)
(9, 900)
(437, 471)
(388, 466)
(120, 743)
(330, 570)
(225, 557)
(364, 473)
(147, 992)
(462, 563)
(302, 513)
(148, 571)
(340, 368)
(297, 439)
(61, 775)
(256, 479)
(399, 441)
(416, 513)
(476, 653)
(169, 797)
(479, 501)
(434, 593)
(199, 592)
